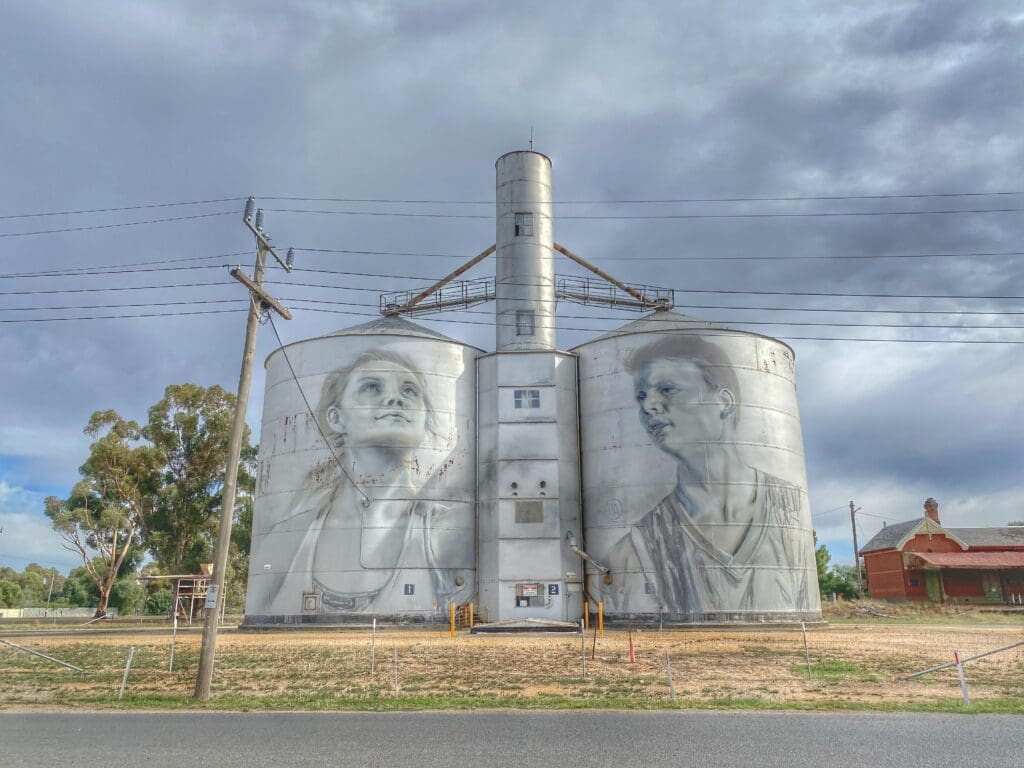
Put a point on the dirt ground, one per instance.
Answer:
(856, 664)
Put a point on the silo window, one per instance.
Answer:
(529, 512)
(524, 322)
(527, 398)
(524, 225)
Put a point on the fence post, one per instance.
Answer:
(668, 671)
(583, 649)
(373, 649)
(807, 653)
(960, 674)
(174, 637)
(124, 678)
(600, 618)
(394, 664)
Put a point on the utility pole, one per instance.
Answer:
(259, 300)
(856, 550)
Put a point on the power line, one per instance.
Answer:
(120, 208)
(123, 317)
(190, 302)
(109, 269)
(305, 300)
(791, 198)
(826, 294)
(826, 257)
(662, 216)
(115, 288)
(119, 224)
(96, 272)
(755, 293)
(709, 331)
(880, 517)
(119, 268)
(829, 511)
(703, 320)
(635, 201)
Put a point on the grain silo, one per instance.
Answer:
(365, 498)
(694, 485)
(657, 469)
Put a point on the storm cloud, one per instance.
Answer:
(122, 104)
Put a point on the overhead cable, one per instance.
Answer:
(653, 216)
(710, 331)
(118, 224)
(789, 198)
(119, 208)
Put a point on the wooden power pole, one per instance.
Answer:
(856, 550)
(260, 300)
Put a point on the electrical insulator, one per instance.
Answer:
(259, 220)
(250, 204)
(289, 260)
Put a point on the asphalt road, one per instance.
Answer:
(509, 738)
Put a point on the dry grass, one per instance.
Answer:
(852, 665)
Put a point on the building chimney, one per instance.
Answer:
(931, 509)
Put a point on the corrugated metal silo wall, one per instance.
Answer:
(318, 553)
(698, 503)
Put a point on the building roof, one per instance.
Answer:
(890, 536)
(972, 560)
(894, 536)
(1007, 536)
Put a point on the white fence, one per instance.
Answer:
(51, 613)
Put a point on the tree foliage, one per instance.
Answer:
(109, 507)
(30, 588)
(156, 488)
(191, 428)
(839, 579)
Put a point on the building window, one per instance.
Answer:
(524, 322)
(524, 225)
(527, 398)
(529, 512)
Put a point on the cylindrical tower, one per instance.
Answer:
(525, 277)
(694, 484)
(365, 507)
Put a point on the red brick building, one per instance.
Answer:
(923, 560)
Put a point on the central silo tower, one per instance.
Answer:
(524, 253)
(528, 492)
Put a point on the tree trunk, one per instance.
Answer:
(105, 587)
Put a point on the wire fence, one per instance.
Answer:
(849, 665)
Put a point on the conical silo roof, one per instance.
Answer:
(393, 326)
(668, 321)
(382, 326)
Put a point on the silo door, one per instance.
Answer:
(931, 583)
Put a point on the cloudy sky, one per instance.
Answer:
(907, 116)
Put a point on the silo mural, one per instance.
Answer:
(658, 468)
(365, 506)
(693, 471)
